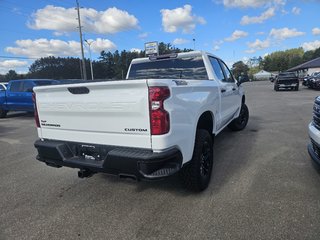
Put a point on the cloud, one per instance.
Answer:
(257, 45)
(269, 13)
(7, 65)
(143, 35)
(316, 31)
(251, 3)
(237, 34)
(308, 46)
(101, 44)
(216, 48)
(284, 33)
(64, 20)
(53, 47)
(296, 10)
(179, 41)
(180, 19)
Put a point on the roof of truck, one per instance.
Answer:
(179, 55)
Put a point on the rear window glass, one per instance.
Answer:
(178, 68)
(43, 83)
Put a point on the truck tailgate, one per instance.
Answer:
(108, 113)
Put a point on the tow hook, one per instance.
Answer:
(83, 173)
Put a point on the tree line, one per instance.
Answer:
(275, 62)
(115, 65)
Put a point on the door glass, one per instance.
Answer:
(217, 69)
(15, 87)
(227, 72)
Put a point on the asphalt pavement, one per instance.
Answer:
(263, 186)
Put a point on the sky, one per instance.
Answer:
(231, 29)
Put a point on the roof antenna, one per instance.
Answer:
(194, 44)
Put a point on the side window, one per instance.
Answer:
(1, 88)
(27, 87)
(227, 72)
(16, 87)
(217, 69)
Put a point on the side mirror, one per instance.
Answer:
(243, 79)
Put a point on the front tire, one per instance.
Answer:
(240, 122)
(196, 174)
(276, 88)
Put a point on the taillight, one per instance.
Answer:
(159, 117)
(36, 116)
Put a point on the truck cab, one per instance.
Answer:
(18, 95)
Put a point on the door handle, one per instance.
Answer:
(233, 89)
(223, 90)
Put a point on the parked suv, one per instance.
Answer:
(314, 133)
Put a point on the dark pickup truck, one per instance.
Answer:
(286, 80)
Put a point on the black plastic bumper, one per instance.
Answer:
(313, 155)
(122, 161)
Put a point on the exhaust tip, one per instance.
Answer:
(128, 176)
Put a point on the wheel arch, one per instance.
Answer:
(206, 121)
(243, 100)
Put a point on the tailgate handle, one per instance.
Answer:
(79, 90)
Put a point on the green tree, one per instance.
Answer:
(12, 74)
(57, 68)
(239, 68)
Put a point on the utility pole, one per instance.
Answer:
(91, 68)
(81, 43)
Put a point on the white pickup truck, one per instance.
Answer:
(160, 120)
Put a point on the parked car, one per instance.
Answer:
(314, 134)
(286, 80)
(314, 81)
(18, 95)
(3, 86)
(159, 121)
(308, 80)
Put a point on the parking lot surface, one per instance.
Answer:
(263, 186)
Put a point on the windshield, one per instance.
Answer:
(287, 74)
(178, 68)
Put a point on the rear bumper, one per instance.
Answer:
(135, 162)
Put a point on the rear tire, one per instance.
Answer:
(3, 113)
(296, 88)
(196, 174)
(240, 122)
